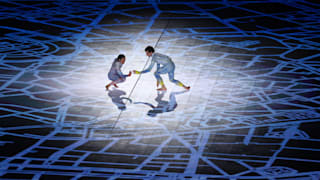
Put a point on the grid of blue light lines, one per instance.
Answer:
(37, 64)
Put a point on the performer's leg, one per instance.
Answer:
(110, 84)
(115, 80)
(160, 81)
(171, 78)
(112, 77)
(119, 80)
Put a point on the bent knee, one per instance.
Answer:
(120, 80)
(172, 80)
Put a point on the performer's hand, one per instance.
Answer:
(136, 72)
(129, 74)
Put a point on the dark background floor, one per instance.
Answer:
(252, 111)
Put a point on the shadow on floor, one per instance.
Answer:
(162, 106)
(115, 95)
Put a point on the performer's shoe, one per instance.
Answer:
(107, 87)
(187, 88)
(162, 89)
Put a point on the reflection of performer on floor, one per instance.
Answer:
(115, 95)
(163, 106)
(164, 65)
(115, 74)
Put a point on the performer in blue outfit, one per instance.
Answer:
(115, 74)
(164, 66)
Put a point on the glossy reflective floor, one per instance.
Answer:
(252, 111)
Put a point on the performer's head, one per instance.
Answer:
(149, 50)
(121, 58)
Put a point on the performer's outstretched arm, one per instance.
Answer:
(146, 70)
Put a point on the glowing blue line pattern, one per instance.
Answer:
(252, 112)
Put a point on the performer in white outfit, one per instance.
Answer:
(164, 65)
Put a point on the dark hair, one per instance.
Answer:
(149, 49)
(120, 57)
